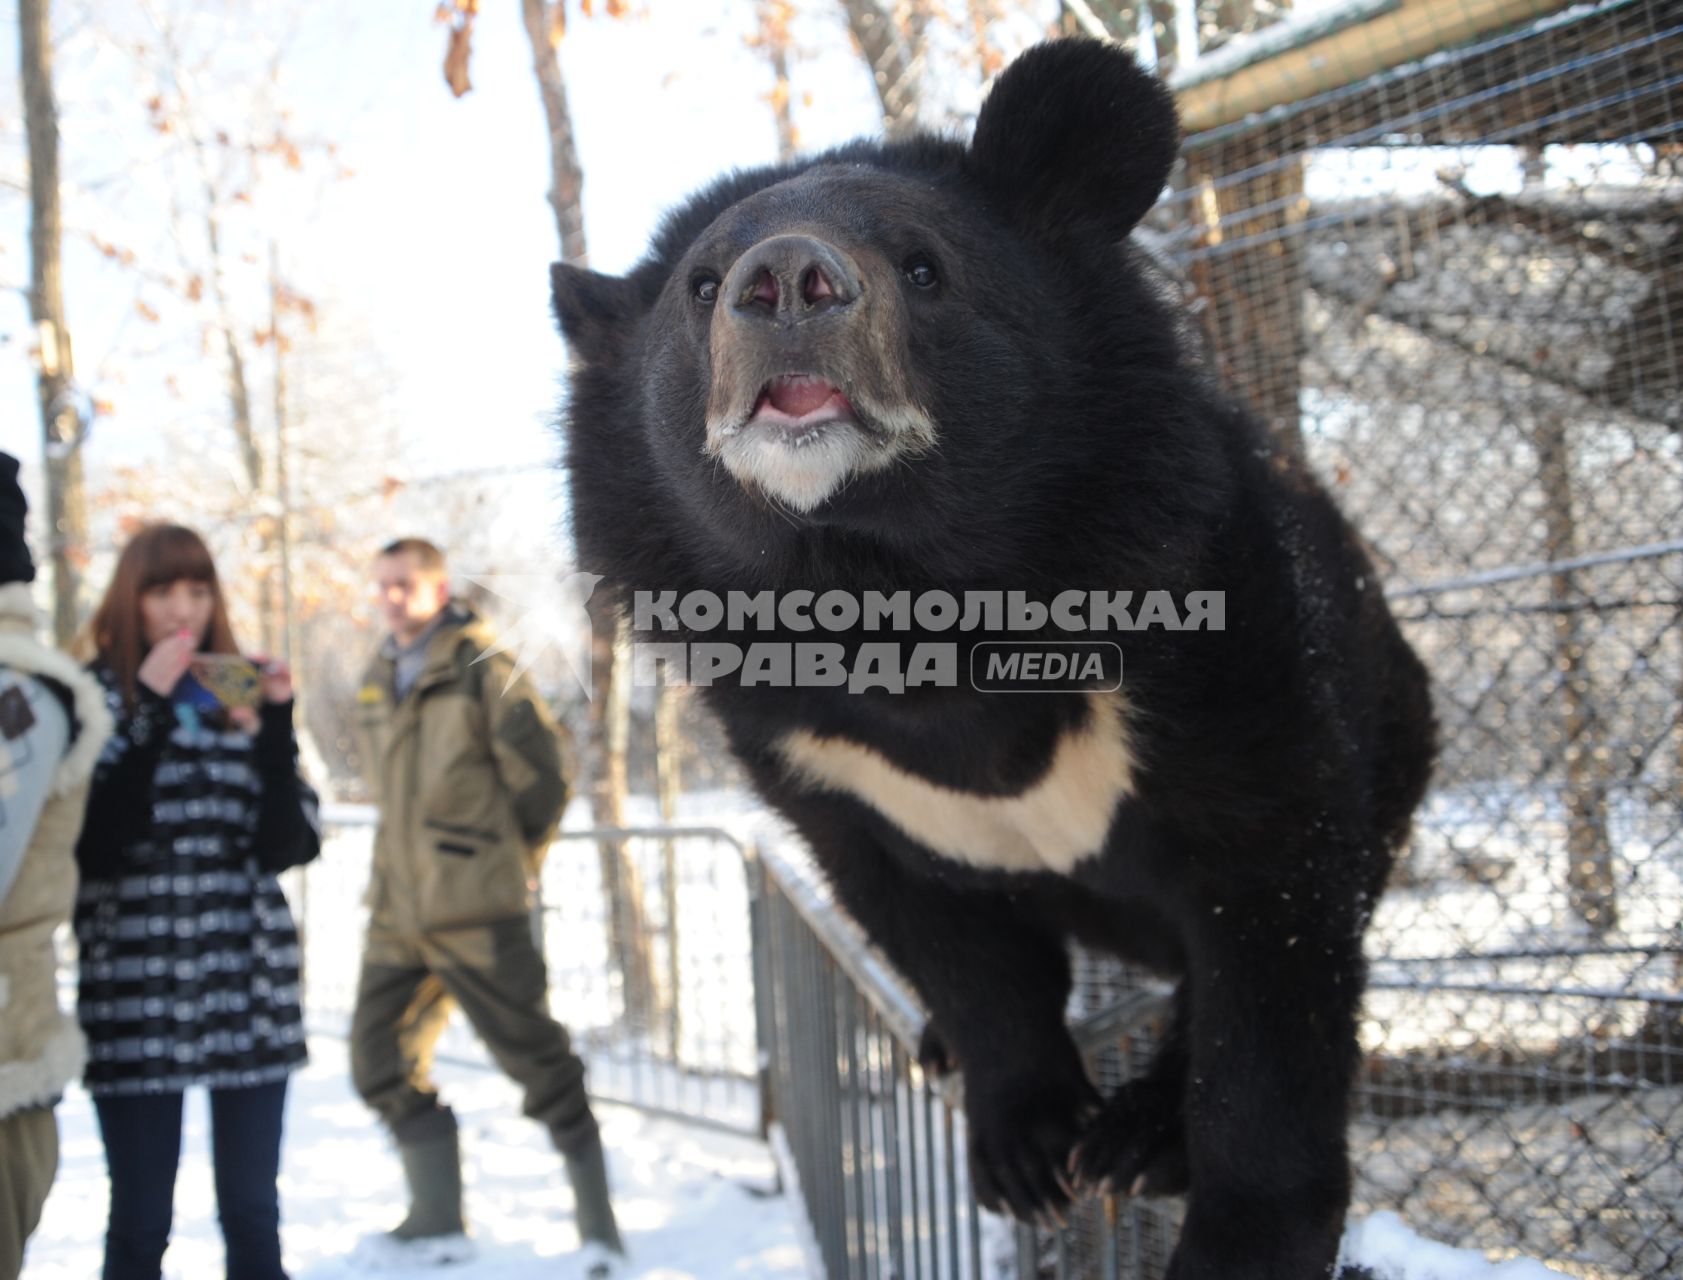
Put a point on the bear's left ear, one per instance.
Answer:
(597, 313)
(1076, 137)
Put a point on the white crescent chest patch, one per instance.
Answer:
(1051, 825)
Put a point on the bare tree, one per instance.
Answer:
(544, 23)
(608, 729)
(62, 427)
(773, 42)
(893, 51)
(218, 112)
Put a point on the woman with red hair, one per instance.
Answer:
(189, 956)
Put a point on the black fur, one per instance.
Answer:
(1079, 446)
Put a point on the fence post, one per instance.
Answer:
(765, 1022)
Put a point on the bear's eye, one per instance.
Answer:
(706, 290)
(920, 271)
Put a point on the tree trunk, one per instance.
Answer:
(891, 61)
(1590, 883)
(566, 178)
(62, 428)
(774, 44)
(610, 706)
(668, 784)
(630, 940)
(239, 415)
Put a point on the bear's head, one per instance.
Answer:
(904, 341)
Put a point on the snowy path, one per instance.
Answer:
(692, 1203)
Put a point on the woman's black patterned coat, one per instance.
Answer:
(189, 956)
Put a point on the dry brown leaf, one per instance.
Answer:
(145, 312)
(456, 58)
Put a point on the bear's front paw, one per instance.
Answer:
(1022, 1129)
(1137, 1144)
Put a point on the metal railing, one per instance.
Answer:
(763, 1010)
(647, 937)
(877, 1149)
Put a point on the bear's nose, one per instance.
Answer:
(790, 279)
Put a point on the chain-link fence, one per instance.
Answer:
(1457, 283)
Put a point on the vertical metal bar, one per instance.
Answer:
(1135, 1254)
(867, 1128)
(850, 1113)
(1027, 1252)
(1112, 1253)
(929, 1147)
(837, 1112)
(765, 1028)
(919, 1212)
(975, 1229)
(828, 1070)
(951, 1159)
(891, 1145)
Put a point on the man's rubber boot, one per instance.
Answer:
(434, 1232)
(593, 1210)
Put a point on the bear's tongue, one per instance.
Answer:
(797, 395)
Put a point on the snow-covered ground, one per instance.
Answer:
(694, 1204)
(1387, 1248)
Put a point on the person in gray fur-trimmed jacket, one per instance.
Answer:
(53, 723)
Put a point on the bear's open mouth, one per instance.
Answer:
(798, 406)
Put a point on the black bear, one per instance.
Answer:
(921, 374)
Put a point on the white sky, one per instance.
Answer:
(439, 245)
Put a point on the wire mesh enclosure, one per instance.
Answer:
(1457, 285)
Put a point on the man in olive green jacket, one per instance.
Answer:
(463, 760)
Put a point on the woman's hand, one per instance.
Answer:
(166, 662)
(276, 678)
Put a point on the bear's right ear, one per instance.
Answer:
(1076, 137)
(597, 313)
